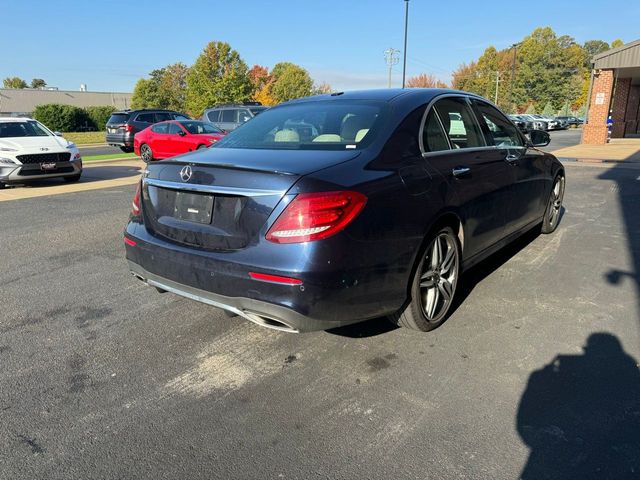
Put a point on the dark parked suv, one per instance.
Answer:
(122, 126)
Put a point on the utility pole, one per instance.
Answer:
(514, 47)
(497, 83)
(391, 57)
(406, 26)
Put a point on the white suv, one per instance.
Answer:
(30, 151)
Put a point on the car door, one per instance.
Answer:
(176, 142)
(158, 139)
(527, 165)
(228, 119)
(478, 176)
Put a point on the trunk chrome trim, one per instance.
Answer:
(194, 187)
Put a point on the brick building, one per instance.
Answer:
(614, 91)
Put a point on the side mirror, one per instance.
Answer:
(57, 134)
(182, 133)
(539, 138)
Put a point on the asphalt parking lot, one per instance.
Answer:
(103, 377)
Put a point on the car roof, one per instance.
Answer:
(142, 110)
(15, 119)
(384, 94)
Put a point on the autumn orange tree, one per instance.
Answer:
(425, 80)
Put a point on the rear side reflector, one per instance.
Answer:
(275, 278)
(314, 216)
(135, 204)
(129, 242)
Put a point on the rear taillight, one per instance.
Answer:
(135, 204)
(314, 216)
(128, 128)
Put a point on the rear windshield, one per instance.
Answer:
(22, 129)
(196, 128)
(317, 125)
(118, 118)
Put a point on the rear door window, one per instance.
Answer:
(162, 116)
(145, 118)
(229, 116)
(499, 131)
(459, 123)
(160, 128)
(433, 136)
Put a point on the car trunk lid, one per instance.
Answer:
(220, 199)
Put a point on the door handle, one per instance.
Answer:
(460, 171)
(511, 158)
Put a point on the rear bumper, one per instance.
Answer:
(120, 140)
(262, 313)
(328, 298)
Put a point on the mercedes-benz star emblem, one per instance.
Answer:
(185, 173)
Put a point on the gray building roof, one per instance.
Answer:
(625, 56)
(23, 101)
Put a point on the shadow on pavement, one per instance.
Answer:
(92, 173)
(628, 190)
(580, 415)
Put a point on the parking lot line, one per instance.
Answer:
(94, 177)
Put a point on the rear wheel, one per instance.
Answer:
(146, 153)
(126, 149)
(434, 284)
(3, 185)
(73, 178)
(554, 205)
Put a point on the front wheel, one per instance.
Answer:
(146, 153)
(554, 205)
(200, 147)
(434, 284)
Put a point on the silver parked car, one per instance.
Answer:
(230, 116)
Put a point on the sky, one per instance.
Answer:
(109, 45)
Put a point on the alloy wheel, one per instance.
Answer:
(145, 153)
(555, 201)
(439, 276)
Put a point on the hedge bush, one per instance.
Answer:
(67, 118)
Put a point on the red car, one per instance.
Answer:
(166, 139)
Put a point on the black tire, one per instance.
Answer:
(73, 178)
(3, 185)
(126, 149)
(554, 205)
(432, 283)
(200, 147)
(146, 153)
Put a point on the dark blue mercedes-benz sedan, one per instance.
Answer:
(330, 210)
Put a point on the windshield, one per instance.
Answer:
(196, 128)
(22, 129)
(317, 125)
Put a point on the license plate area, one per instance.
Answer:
(48, 166)
(193, 207)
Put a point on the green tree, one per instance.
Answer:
(617, 43)
(548, 110)
(290, 81)
(165, 88)
(14, 82)
(219, 75)
(592, 48)
(531, 109)
(38, 83)
(63, 118)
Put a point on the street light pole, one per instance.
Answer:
(391, 57)
(406, 25)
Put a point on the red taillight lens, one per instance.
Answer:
(135, 204)
(128, 128)
(265, 277)
(314, 216)
(130, 242)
